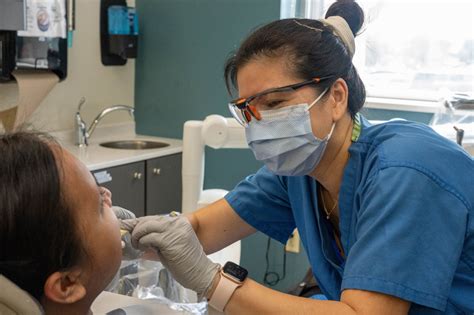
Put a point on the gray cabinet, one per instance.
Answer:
(127, 184)
(163, 184)
(147, 187)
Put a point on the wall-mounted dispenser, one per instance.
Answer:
(12, 19)
(12, 15)
(118, 32)
(34, 36)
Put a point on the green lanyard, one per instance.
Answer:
(357, 128)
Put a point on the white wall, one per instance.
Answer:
(102, 86)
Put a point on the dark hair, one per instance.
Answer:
(38, 230)
(311, 53)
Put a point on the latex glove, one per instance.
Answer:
(128, 252)
(122, 213)
(178, 247)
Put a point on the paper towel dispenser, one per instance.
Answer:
(40, 43)
(12, 15)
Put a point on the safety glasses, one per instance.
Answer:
(243, 109)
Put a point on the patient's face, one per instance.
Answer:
(99, 226)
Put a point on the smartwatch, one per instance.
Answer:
(232, 277)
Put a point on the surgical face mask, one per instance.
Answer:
(283, 139)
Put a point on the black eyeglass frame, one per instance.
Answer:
(242, 103)
(247, 110)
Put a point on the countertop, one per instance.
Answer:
(96, 157)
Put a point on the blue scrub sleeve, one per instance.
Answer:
(262, 201)
(409, 237)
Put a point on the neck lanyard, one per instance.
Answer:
(356, 128)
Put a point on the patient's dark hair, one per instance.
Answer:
(38, 232)
(310, 53)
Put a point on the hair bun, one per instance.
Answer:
(350, 11)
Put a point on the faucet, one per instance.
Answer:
(459, 135)
(82, 133)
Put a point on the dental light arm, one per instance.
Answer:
(217, 132)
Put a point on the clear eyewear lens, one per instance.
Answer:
(238, 115)
(256, 104)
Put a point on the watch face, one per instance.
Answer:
(235, 271)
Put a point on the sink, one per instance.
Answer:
(134, 144)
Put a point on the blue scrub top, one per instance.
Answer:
(406, 206)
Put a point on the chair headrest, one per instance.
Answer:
(15, 301)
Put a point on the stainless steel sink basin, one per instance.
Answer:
(134, 144)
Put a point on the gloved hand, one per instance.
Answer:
(128, 252)
(178, 247)
(122, 213)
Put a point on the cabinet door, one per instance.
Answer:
(163, 191)
(127, 184)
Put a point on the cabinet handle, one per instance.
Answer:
(157, 171)
(137, 175)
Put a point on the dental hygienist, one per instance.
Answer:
(385, 212)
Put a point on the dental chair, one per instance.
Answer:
(216, 132)
(15, 301)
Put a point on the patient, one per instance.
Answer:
(59, 238)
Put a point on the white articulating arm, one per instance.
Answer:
(219, 132)
(193, 165)
(215, 131)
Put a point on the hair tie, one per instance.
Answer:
(343, 31)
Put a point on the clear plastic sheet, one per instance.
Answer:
(146, 279)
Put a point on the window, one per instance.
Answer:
(412, 50)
